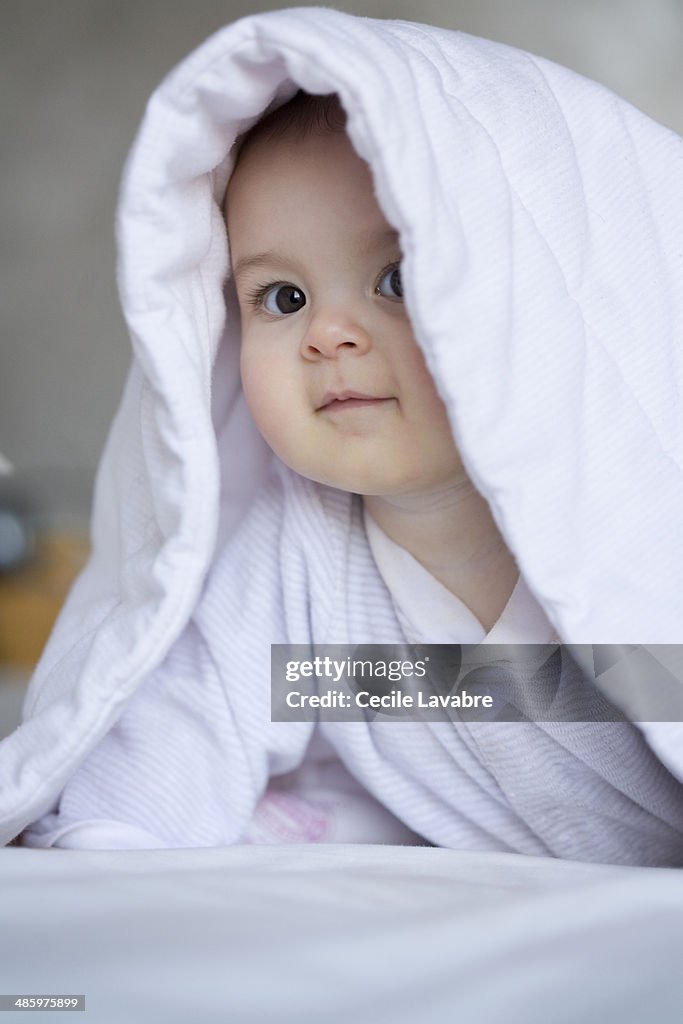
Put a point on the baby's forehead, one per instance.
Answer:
(287, 148)
(294, 178)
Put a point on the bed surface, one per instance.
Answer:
(366, 933)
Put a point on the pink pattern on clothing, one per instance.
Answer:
(280, 817)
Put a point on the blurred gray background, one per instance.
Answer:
(74, 78)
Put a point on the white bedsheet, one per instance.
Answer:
(339, 933)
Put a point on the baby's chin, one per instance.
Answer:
(370, 481)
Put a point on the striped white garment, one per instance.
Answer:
(191, 756)
(321, 801)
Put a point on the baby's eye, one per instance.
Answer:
(283, 298)
(390, 283)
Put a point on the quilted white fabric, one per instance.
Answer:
(540, 220)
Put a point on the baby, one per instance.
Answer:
(339, 389)
(331, 371)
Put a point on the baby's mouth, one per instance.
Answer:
(344, 401)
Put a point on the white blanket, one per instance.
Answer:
(540, 220)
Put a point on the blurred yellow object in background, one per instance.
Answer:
(31, 597)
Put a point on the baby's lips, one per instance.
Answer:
(344, 395)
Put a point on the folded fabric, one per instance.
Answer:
(540, 221)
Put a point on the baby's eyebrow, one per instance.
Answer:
(369, 243)
(375, 240)
(260, 259)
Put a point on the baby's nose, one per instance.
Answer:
(331, 333)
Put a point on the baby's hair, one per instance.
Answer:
(303, 115)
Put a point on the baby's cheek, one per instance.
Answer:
(435, 427)
(257, 385)
(422, 381)
(271, 403)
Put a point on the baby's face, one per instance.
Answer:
(332, 375)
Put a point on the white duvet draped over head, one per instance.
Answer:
(540, 220)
